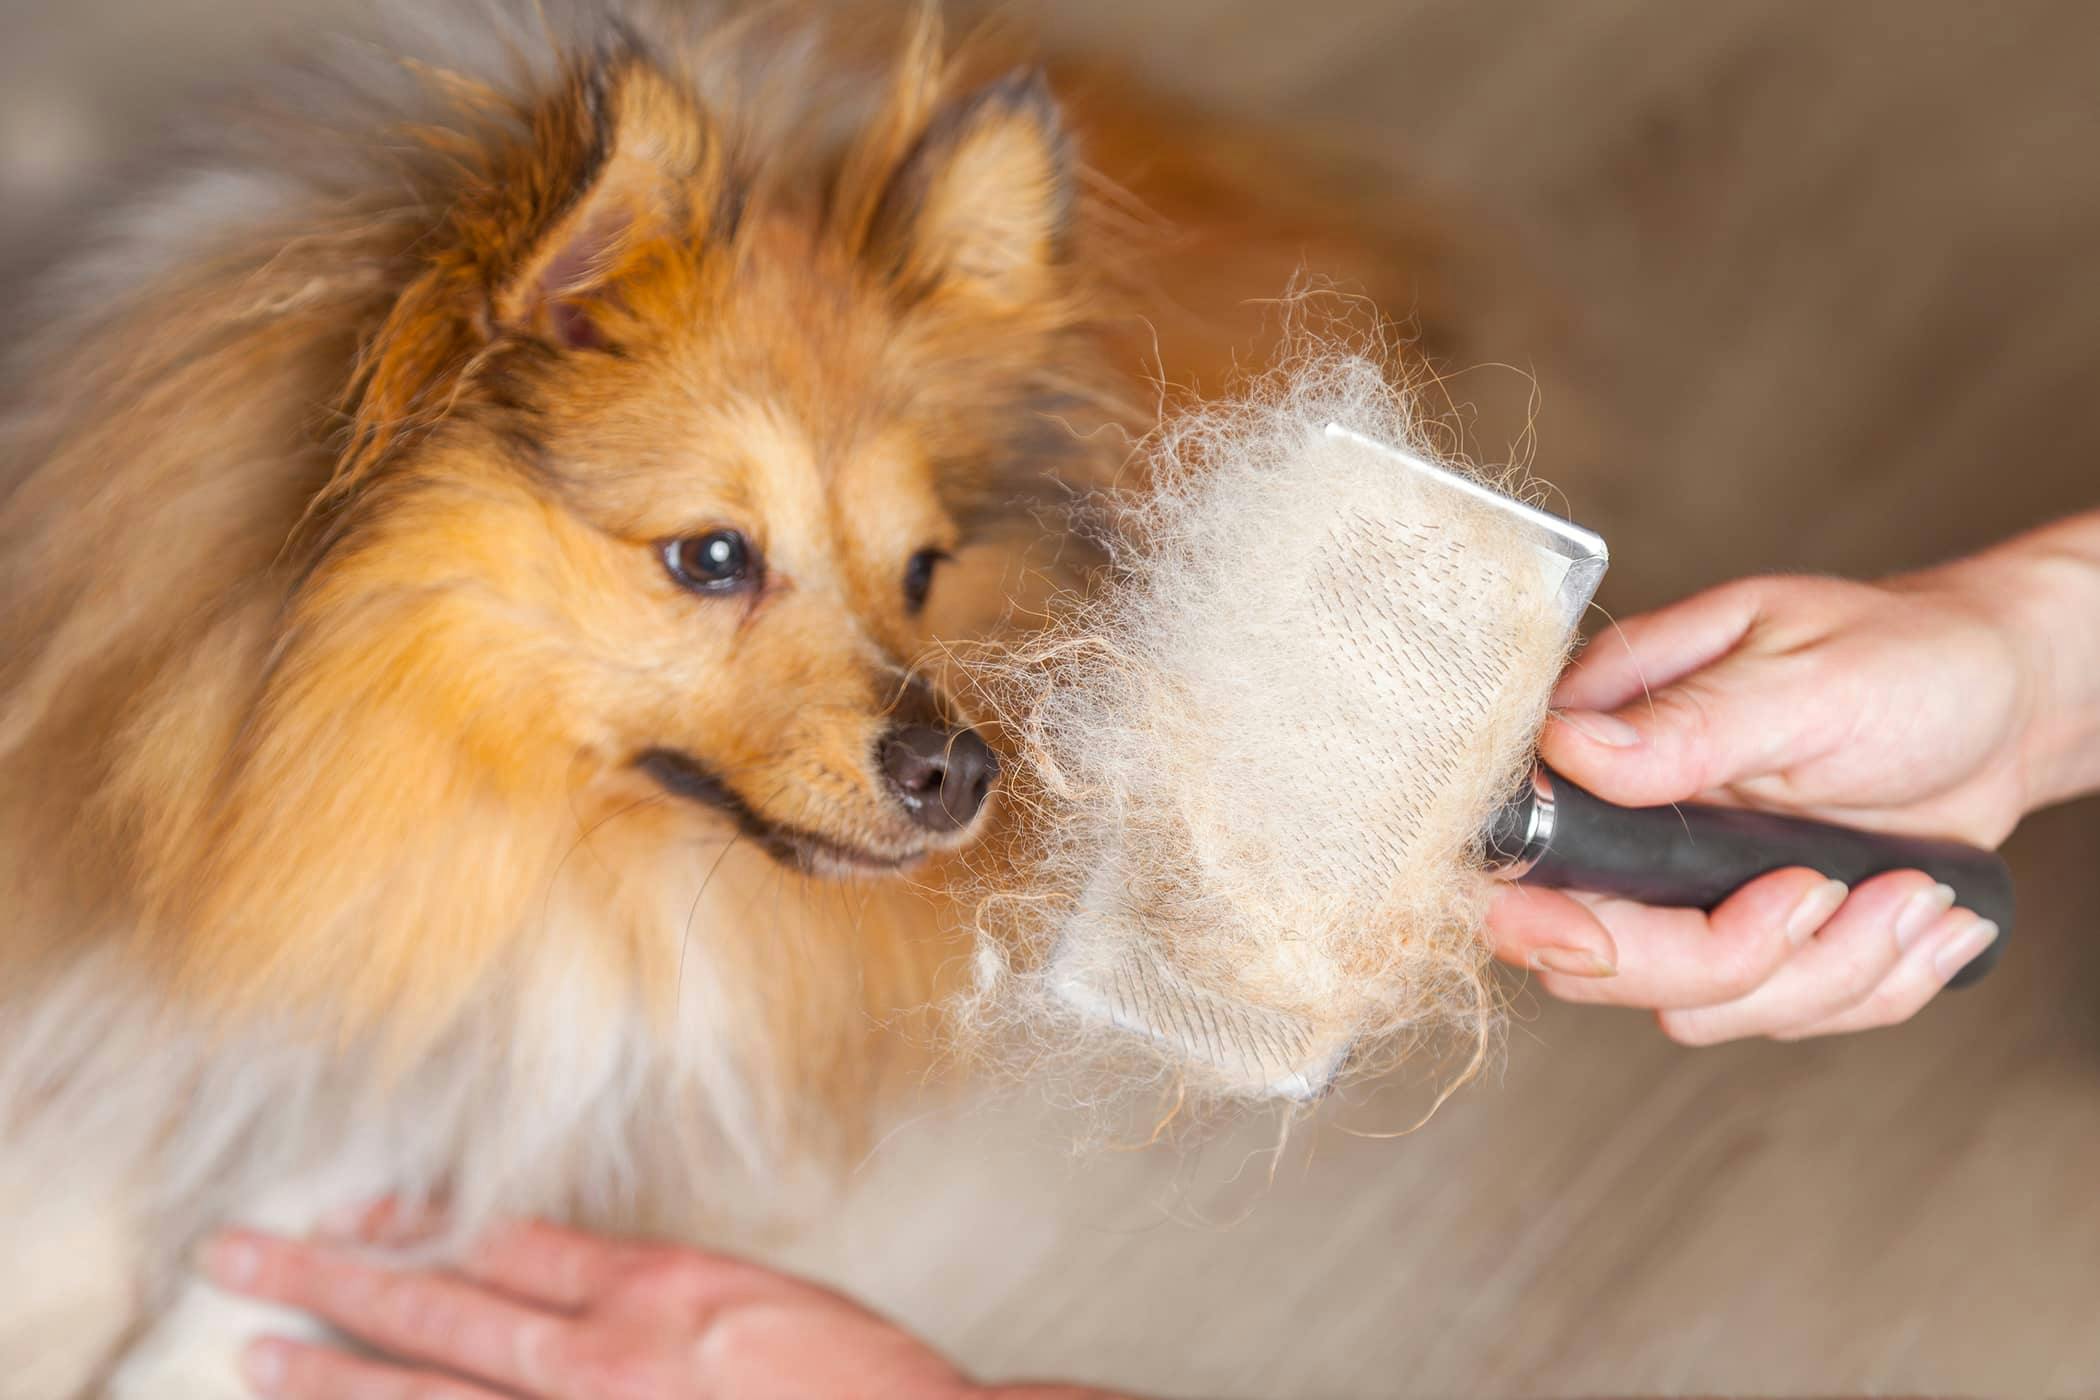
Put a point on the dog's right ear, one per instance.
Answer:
(624, 173)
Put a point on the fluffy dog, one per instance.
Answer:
(472, 551)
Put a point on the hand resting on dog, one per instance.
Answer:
(554, 1314)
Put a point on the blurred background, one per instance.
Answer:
(1801, 286)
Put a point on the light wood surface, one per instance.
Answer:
(1827, 277)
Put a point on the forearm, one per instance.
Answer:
(2044, 589)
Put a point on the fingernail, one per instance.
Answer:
(1920, 912)
(1814, 910)
(1961, 949)
(263, 1364)
(1574, 962)
(233, 1262)
(1601, 728)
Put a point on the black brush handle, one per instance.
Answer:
(1557, 835)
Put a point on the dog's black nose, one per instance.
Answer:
(941, 776)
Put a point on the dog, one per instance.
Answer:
(478, 551)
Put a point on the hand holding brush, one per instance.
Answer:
(1293, 774)
(1947, 703)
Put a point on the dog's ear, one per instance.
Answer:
(555, 216)
(623, 172)
(981, 206)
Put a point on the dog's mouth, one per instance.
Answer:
(682, 775)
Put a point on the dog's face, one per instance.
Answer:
(686, 523)
(764, 565)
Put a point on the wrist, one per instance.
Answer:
(2042, 592)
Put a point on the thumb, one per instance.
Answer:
(1733, 720)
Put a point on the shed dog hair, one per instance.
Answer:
(386, 805)
(1258, 758)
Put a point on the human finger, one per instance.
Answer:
(1681, 958)
(282, 1369)
(1944, 950)
(408, 1313)
(1840, 967)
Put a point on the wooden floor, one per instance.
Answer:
(1825, 282)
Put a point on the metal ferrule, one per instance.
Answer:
(1522, 832)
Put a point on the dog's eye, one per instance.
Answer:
(720, 561)
(918, 576)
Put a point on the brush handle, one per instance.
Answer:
(1689, 856)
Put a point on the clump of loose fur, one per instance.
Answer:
(1253, 772)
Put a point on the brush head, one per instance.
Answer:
(1265, 755)
(1570, 559)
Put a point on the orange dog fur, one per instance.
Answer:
(339, 627)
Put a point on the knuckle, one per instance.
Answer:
(615, 1372)
(1763, 594)
(341, 1295)
(293, 1272)
(1860, 973)
(1751, 591)
(1874, 1007)
(1740, 597)
(1690, 715)
(1893, 1007)
(1736, 977)
(394, 1303)
(416, 1313)
(736, 1337)
(667, 1274)
(1740, 966)
(274, 1278)
(1686, 709)
(1686, 1030)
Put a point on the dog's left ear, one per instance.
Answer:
(981, 206)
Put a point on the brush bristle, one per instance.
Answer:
(1257, 767)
